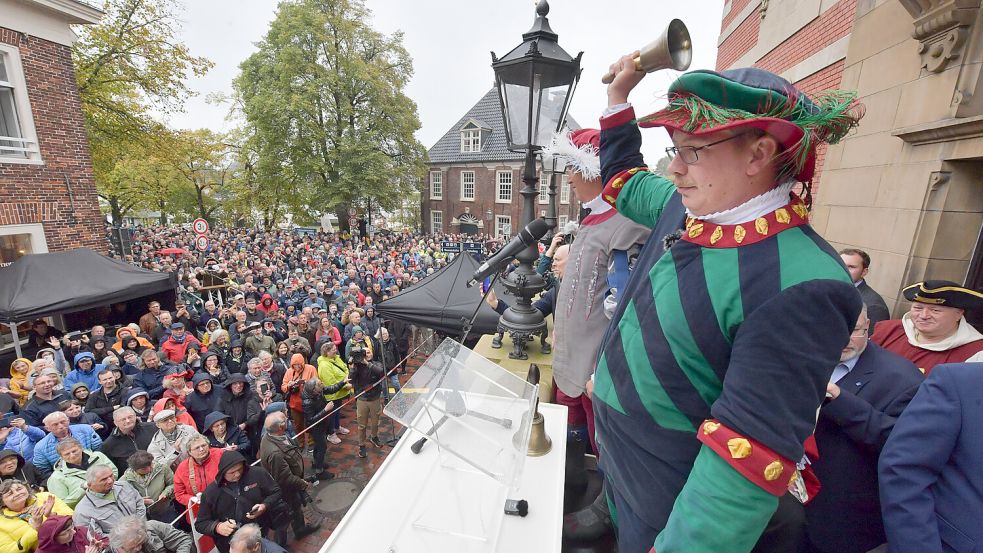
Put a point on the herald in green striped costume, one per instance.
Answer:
(714, 366)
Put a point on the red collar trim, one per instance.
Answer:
(593, 219)
(710, 235)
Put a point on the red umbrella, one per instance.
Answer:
(172, 251)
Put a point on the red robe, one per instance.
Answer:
(891, 336)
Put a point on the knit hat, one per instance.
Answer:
(702, 102)
(579, 150)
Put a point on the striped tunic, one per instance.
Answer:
(738, 323)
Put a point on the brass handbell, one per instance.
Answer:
(672, 50)
(539, 443)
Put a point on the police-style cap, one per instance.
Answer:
(944, 293)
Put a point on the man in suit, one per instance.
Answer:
(858, 265)
(868, 390)
(930, 476)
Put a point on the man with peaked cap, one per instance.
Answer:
(934, 330)
(579, 316)
(722, 344)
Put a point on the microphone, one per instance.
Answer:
(526, 237)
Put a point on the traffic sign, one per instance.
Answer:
(353, 222)
(352, 212)
(201, 243)
(200, 226)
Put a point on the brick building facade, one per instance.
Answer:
(48, 199)
(906, 186)
(473, 182)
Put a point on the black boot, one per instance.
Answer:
(306, 530)
(589, 523)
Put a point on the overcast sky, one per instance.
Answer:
(450, 41)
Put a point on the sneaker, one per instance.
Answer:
(361, 452)
(375, 441)
(343, 430)
(334, 439)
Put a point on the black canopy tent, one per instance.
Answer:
(41, 285)
(442, 301)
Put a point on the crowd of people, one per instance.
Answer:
(229, 400)
(743, 387)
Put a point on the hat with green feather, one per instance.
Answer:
(702, 102)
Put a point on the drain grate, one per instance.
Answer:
(337, 495)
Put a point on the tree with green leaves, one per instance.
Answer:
(203, 159)
(127, 66)
(325, 113)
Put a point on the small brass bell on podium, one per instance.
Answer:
(539, 443)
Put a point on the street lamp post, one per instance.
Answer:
(535, 83)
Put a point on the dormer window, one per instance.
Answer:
(471, 133)
(470, 141)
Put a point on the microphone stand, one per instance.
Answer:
(391, 442)
(465, 331)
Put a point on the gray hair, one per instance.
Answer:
(128, 530)
(94, 472)
(249, 536)
(11, 482)
(54, 417)
(255, 362)
(195, 438)
(264, 355)
(124, 410)
(275, 421)
(220, 332)
(310, 386)
(67, 442)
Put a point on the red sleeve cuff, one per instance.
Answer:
(626, 115)
(617, 183)
(751, 458)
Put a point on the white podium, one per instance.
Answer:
(451, 495)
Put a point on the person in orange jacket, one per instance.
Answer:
(293, 383)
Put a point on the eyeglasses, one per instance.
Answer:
(689, 153)
(859, 331)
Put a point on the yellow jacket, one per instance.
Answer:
(331, 371)
(16, 533)
(18, 382)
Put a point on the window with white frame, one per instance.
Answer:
(471, 139)
(544, 188)
(18, 139)
(503, 225)
(504, 190)
(467, 186)
(17, 241)
(562, 221)
(436, 222)
(564, 190)
(436, 185)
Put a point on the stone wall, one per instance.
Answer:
(906, 187)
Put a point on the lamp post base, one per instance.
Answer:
(521, 337)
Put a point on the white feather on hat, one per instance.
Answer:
(585, 159)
